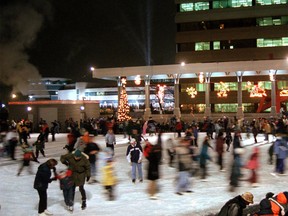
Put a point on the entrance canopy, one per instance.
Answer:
(215, 69)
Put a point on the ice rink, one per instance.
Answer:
(18, 198)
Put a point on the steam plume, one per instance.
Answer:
(19, 25)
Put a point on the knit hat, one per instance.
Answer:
(77, 153)
(248, 197)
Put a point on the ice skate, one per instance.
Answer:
(83, 206)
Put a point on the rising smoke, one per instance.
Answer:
(20, 22)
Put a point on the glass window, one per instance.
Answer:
(270, 2)
(202, 46)
(201, 6)
(282, 85)
(272, 42)
(186, 7)
(200, 87)
(216, 45)
(220, 4)
(241, 3)
(285, 41)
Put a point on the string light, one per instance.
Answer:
(137, 80)
(223, 90)
(192, 92)
(284, 93)
(160, 92)
(201, 77)
(123, 108)
(256, 90)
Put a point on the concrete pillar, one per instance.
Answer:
(240, 113)
(207, 95)
(273, 93)
(147, 112)
(177, 111)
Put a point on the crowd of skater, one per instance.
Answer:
(186, 154)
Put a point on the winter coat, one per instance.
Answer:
(66, 181)
(40, 142)
(280, 148)
(184, 158)
(109, 176)
(154, 159)
(233, 207)
(204, 153)
(134, 153)
(42, 178)
(91, 150)
(220, 145)
(80, 168)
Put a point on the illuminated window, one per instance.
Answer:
(269, 21)
(186, 7)
(194, 6)
(201, 6)
(270, 2)
(202, 46)
(241, 3)
(276, 42)
(216, 45)
(220, 4)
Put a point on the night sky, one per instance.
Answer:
(63, 38)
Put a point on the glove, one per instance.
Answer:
(87, 178)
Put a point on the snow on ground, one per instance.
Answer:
(17, 196)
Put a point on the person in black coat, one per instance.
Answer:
(236, 205)
(154, 158)
(42, 179)
(92, 150)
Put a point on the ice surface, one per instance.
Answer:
(18, 198)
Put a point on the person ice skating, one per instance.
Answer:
(40, 143)
(110, 140)
(236, 205)
(80, 166)
(109, 178)
(12, 139)
(228, 139)
(184, 166)
(42, 179)
(280, 150)
(171, 151)
(92, 149)
(28, 155)
(68, 187)
(253, 165)
(204, 156)
(220, 149)
(154, 159)
(134, 156)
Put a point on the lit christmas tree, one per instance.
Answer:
(123, 108)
